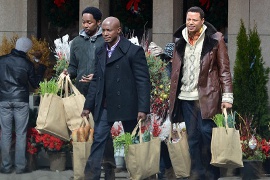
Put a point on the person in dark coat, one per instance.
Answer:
(16, 73)
(119, 91)
(201, 85)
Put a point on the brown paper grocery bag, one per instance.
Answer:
(51, 117)
(73, 102)
(142, 160)
(179, 155)
(81, 152)
(226, 146)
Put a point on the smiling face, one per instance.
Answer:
(111, 30)
(194, 22)
(90, 25)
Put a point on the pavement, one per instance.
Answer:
(47, 174)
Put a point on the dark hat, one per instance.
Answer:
(168, 50)
(94, 11)
(23, 44)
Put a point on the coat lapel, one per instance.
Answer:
(117, 54)
(101, 56)
(120, 50)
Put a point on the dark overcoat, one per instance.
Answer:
(123, 80)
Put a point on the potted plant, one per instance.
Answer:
(116, 131)
(33, 147)
(252, 148)
(266, 151)
(56, 150)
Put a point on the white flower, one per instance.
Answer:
(62, 48)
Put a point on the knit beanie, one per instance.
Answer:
(168, 50)
(23, 44)
(94, 11)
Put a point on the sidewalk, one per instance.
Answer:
(46, 174)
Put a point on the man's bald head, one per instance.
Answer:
(113, 21)
(111, 30)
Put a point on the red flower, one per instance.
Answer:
(33, 146)
(115, 131)
(265, 147)
(156, 128)
(59, 3)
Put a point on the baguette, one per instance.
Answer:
(80, 134)
(91, 135)
(74, 135)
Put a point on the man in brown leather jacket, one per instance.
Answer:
(201, 85)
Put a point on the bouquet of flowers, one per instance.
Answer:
(62, 54)
(252, 143)
(266, 147)
(52, 143)
(33, 141)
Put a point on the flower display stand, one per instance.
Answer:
(252, 169)
(32, 162)
(57, 161)
(266, 166)
(119, 158)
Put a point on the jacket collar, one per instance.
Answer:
(208, 44)
(91, 38)
(120, 50)
(19, 53)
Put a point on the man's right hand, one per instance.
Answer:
(65, 72)
(85, 113)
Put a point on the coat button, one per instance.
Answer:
(118, 93)
(119, 106)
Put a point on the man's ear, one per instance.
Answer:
(119, 30)
(99, 22)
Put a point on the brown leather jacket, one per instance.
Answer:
(214, 77)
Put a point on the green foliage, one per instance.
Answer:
(219, 120)
(48, 87)
(160, 85)
(251, 78)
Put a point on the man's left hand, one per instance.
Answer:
(141, 115)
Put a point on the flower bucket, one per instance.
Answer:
(120, 162)
(57, 161)
(252, 169)
(31, 162)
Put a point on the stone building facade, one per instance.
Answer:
(21, 18)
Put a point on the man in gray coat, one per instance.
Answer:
(82, 50)
(119, 91)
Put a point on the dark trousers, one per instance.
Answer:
(199, 139)
(102, 147)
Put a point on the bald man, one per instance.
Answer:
(119, 91)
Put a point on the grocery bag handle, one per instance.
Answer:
(134, 132)
(177, 130)
(69, 85)
(224, 111)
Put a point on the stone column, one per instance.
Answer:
(18, 17)
(167, 17)
(103, 5)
